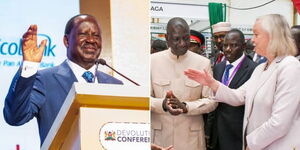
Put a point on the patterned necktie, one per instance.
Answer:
(226, 74)
(88, 76)
(219, 58)
(262, 60)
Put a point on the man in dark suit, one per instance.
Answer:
(295, 30)
(225, 124)
(41, 93)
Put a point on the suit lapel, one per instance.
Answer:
(219, 70)
(100, 76)
(240, 73)
(260, 79)
(65, 76)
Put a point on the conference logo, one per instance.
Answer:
(110, 135)
(125, 135)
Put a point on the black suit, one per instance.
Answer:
(224, 125)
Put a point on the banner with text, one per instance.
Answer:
(16, 16)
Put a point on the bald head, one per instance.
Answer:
(70, 24)
(178, 36)
(179, 22)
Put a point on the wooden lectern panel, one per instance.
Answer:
(119, 99)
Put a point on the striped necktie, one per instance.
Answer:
(226, 74)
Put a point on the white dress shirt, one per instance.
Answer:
(30, 68)
(234, 64)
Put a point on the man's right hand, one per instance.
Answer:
(174, 111)
(31, 52)
(168, 107)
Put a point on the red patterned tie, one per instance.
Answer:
(219, 58)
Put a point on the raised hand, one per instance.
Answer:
(202, 77)
(31, 51)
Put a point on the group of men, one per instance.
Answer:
(182, 113)
(178, 104)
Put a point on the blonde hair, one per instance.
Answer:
(281, 42)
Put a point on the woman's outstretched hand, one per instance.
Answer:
(202, 77)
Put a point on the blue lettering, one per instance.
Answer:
(8, 63)
(43, 64)
(19, 63)
(1, 48)
(14, 48)
(49, 47)
(10, 52)
(20, 48)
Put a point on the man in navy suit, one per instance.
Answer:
(41, 93)
(225, 124)
(295, 30)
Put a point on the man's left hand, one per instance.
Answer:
(175, 112)
(175, 103)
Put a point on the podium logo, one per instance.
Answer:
(110, 135)
(125, 135)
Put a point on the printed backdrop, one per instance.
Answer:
(16, 16)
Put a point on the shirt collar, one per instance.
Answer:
(174, 57)
(236, 62)
(78, 70)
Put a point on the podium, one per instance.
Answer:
(102, 116)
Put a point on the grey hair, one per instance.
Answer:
(281, 42)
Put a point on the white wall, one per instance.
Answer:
(16, 17)
(246, 17)
(297, 21)
(130, 28)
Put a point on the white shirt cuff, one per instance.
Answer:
(29, 68)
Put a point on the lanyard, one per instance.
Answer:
(234, 71)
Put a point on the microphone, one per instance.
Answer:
(103, 62)
(96, 69)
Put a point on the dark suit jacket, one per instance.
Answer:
(225, 124)
(42, 96)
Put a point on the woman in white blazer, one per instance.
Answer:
(272, 94)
